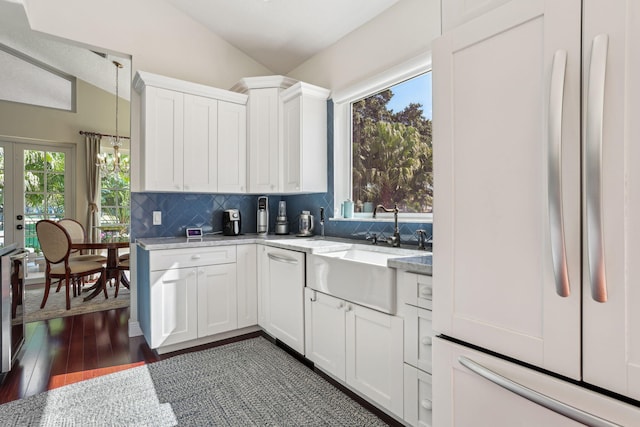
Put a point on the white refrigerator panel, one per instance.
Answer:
(494, 280)
(611, 335)
(464, 398)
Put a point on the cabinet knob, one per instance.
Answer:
(196, 256)
(341, 304)
(348, 308)
(426, 340)
(426, 404)
(425, 291)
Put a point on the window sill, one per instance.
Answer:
(401, 220)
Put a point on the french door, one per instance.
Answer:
(35, 183)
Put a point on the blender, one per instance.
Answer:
(282, 225)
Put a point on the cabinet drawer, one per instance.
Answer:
(418, 397)
(415, 289)
(191, 257)
(418, 337)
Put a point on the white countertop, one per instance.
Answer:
(413, 260)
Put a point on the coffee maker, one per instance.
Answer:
(231, 222)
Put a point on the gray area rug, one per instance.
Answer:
(246, 383)
(57, 305)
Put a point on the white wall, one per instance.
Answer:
(402, 32)
(160, 39)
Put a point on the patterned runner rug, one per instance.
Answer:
(246, 383)
(56, 303)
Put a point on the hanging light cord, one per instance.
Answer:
(118, 66)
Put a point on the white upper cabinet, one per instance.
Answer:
(232, 148)
(163, 133)
(493, 274)
(193, 136)
(201, 151)
(304, 139)
(287, 135)
(457, 12)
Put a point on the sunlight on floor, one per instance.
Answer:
(74, 377)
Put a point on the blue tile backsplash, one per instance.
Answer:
(181, 210)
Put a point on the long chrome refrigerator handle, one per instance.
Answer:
(281, 258)
(535, 396)
(554, 182)
(593, 168)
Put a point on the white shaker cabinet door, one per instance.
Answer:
(374, 362)
(217, 299)
(325, 332)
(232, 147)
(201, 144)
(247, 278)
(163, 140)
(174, 307)
(493, 276)
(611, 338)
(263, 112)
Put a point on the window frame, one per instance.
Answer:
(343, 130)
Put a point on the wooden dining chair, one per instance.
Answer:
(55, 243)
(123, 266)
(78, 234)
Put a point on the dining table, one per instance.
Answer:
(111, 269)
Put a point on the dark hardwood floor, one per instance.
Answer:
(70, 349)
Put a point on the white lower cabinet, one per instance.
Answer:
(418, 397)
(195, 293)
(325, 323)
(281, 287)
(415, 298)
(247, 279)
(173, 306)
(217, 299)
(357, 345)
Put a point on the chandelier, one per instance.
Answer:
(116, 142)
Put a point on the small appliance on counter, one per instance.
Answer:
(305, 224)
(263, 215)
(282, 225)
(231, 222)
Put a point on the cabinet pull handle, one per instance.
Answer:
(313, 297)
(426, 340)
(426, 404)
(592, 186)
(281, 258)
(554, 182)
(195, 256)
(534, 396)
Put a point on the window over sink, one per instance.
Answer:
(382, 142)
(391, 148)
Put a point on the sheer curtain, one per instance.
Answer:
(93, 185)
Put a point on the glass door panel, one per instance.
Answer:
(44, 190)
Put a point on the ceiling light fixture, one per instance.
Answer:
(116, 141)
